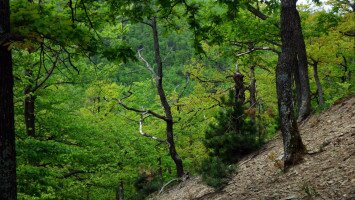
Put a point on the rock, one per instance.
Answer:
(291, 197)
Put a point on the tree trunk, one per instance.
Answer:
(304, 102)
(319, 85)
(120, 191)
(296, 79)
(29, 106)
(293, 146)
(344, 64)
(7, 130)
(169, 118)
(239, 88)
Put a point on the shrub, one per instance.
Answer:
(215, 172)
(235, 134)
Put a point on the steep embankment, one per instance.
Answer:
(327, 172)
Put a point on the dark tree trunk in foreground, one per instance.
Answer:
(7, 132)
(164, 102)
(304, 99)
(296, 79)
(293, 146)
(319, 85)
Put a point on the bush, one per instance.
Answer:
(215, 172)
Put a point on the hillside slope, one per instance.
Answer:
(327, 172)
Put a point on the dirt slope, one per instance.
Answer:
(327, 172)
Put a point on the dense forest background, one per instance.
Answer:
(88, 116)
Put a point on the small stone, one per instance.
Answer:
(340, 134)
(291, 197)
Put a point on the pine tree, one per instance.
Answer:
(234, 135)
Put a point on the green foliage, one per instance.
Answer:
(234, 135)
(85, 143)
(215, 172)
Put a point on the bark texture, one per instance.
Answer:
(7, 132)
(164, 102)
(293, 146)
(304, 99)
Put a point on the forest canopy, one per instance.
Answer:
(113, 99)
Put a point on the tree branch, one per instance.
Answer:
(256, 12)
(8, 37)
(149, 67)
(258, 49)
(146, 134)
(138, 110)
(49, 73)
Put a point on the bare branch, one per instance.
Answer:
(167, 55)
(146, 23)
(149, 67)
(49, 73)
(146, 134)
(138, 110)
(258, 49)
(273, 42)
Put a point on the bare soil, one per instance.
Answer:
(327, 171)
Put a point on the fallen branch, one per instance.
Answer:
(183, 178)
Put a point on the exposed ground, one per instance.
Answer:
(327, 172)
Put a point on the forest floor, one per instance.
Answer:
(327, 171)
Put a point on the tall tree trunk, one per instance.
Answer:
(7, 129)
(29, 106)
(293, 146)
(319, 85)
(164, 102)
(296, 79)
(304, 102)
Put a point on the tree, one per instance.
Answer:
(138, 13)
(301, 71)
(235, 134)
(7, 130)
(164, 102)
(293, 146)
